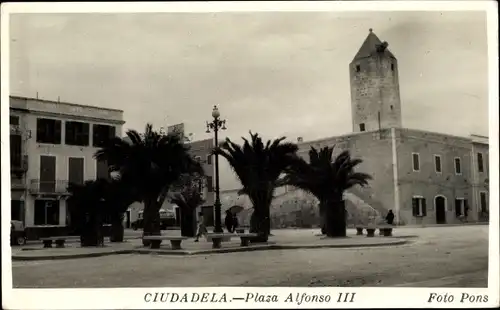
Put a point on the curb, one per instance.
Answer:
(209, 251)
(72, 256)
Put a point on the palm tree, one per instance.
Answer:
(258, 166)
(188, 199)
(150, 163)
(327, 179)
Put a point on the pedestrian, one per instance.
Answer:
(390, 217)
(228, 221)
(202, 228)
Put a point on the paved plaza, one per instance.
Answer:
(454, 256)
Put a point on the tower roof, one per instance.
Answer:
(371, 46)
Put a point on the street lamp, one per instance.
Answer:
(216, 125)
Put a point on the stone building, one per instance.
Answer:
(424, 177)
(52, 143)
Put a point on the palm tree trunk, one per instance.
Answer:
(188, 224)
(322, 217)
(260, 224)
(335, 219)
(152, 225)
(117, 229)
(91, 232)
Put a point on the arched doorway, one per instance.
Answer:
(440, 206)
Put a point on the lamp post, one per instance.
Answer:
(216, 125)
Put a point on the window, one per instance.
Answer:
(77, 133)
(209, 159)
(210, 184)
(416, 161)
(358, 68)
(362, 127)
(48, 131)
(16, 210)
(461, 207)
(483, 202)
(46, 212)
(419, 206)
(392, 67)
(480, 164)
(102, 134)
(458, 167)
(15, 151)
(437, 163)
(14, 120)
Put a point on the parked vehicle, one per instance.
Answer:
(167, 218)
(17, 233)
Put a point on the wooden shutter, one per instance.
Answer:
(458, 210)
(112, 132)
(415, 206)
(57, 132)
(85, 134)
(40, 130)
(424, 207)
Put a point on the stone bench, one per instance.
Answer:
(217, 239)
(59, 240)
(385, 231)
(245, 238)
(175, 241)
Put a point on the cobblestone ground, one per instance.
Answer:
(441, 256)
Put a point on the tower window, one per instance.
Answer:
(458, 166)
(392, 67)
(416, 161)
(392, 107)
(362, 127)
(358, 68)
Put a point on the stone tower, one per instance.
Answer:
(375, 97)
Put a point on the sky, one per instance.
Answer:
(275, 73)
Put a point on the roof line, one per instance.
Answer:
(68, 103)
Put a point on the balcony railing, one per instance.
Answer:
(58, 187)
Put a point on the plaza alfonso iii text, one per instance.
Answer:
(249, 297)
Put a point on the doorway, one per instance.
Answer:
(440, 204)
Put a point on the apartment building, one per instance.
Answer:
(52, 144)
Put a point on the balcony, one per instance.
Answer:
(19, 164)
(57, 187)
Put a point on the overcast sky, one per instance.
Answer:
(274, 73)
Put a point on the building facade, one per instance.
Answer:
(51, 145)
(424, 177)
